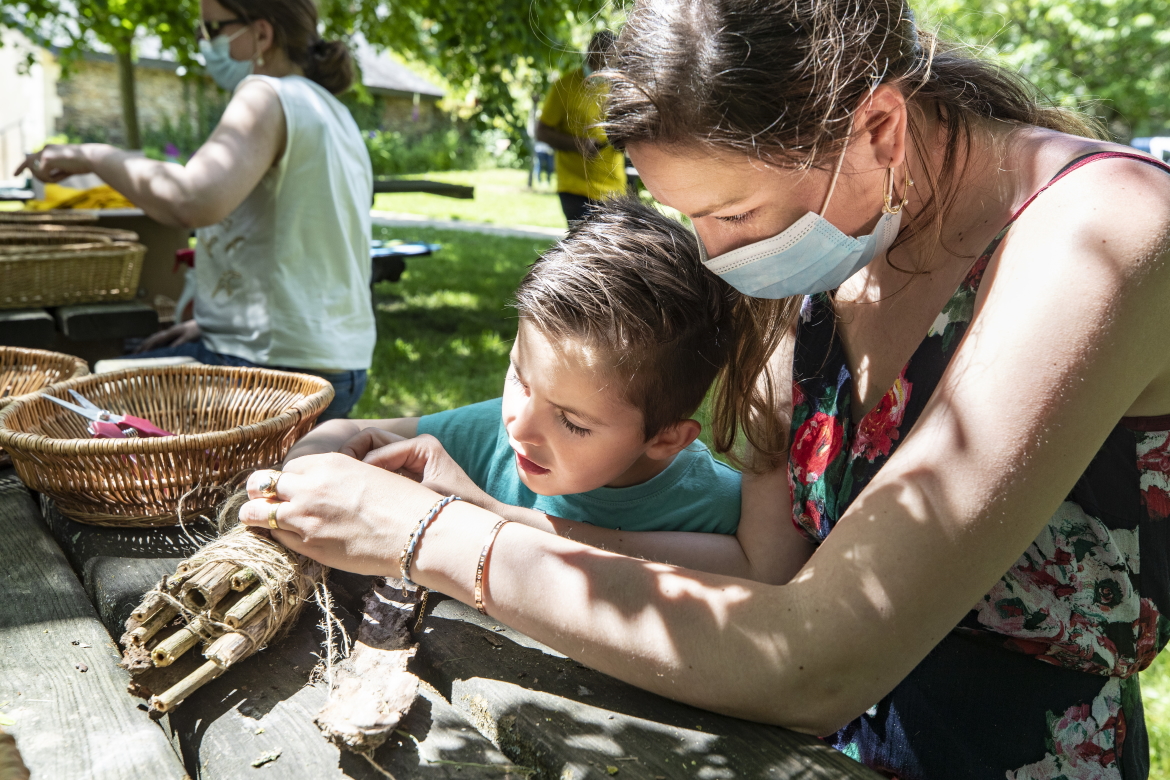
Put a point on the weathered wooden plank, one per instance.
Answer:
(265, 705)
(93, 321)
(58, 666)
(118, 565)
(447, 189)
(27, 328)
(570, 721)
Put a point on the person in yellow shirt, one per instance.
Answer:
(588, 169)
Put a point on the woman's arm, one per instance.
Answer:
(248, 140)
(965, 494)
(331, 435)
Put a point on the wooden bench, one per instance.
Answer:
(495, 704)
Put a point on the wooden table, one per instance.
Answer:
(495, 703)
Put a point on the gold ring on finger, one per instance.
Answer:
(272, 517)
(268, 487)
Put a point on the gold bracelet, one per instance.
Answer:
(483, 554)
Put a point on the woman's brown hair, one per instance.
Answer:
(780, 80)
(294, 26)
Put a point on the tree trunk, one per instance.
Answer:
(129, 98)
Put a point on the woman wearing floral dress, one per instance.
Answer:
(953, 371)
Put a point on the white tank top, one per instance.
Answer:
(285, 279)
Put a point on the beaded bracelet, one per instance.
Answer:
(407, 555)
(483, 554)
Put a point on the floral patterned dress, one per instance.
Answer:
(1039, 680)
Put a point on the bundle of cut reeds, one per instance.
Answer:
(231, 598)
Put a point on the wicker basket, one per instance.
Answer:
(28, 370)
(40, 235)
(59, 267)
(51, 216)
(228, 421)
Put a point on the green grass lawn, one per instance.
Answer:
(444, 332)
(1156, 695)
(445, 329)
(502, 197)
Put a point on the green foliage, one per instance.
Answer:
(445, 329)
(496, 53)
(1106, 55)
(439, 149)
(76, 25)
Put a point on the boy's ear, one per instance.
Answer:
(672, 439)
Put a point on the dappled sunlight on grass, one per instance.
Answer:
(445, 329)
(502, 197)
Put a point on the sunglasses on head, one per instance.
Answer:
(210, 30)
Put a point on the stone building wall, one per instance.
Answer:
(92, 102)
(189, 106)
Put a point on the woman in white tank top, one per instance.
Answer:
(279, 195)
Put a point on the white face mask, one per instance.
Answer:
(227, 72)
(809, 256)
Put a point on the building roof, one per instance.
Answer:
(381, 73)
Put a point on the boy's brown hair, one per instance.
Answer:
(628, 282)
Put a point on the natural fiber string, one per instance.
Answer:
(290, 578)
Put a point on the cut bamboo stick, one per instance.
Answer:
(208, 585)
(173, 696)
(151, 604)
(234, 646)
(165, 653)
(247, 608)
(153, 625)
(243, 579)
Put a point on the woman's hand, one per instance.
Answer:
(343, 513)
(56, 162)
(183, 333)
(421, 459)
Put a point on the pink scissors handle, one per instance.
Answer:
(144, 427)
(106, 430)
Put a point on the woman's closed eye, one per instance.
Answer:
(736, 218)
(576, 430)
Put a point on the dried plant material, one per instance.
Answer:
(11, 765)
(372, 690)
(231, 624)
(172, 697)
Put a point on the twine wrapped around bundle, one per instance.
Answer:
(233, 596)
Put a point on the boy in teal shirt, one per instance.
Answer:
(621, 334)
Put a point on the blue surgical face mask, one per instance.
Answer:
(810, 256)
(227, 72)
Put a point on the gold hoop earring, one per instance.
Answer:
(888, 206)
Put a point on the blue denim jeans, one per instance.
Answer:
(348, 386)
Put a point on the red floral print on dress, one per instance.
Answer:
(1085, 741)
(814, 447)
(878, 429)
(1153, 450)
(1072, 594)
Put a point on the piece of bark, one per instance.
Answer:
(372, 689)
(11, 765)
